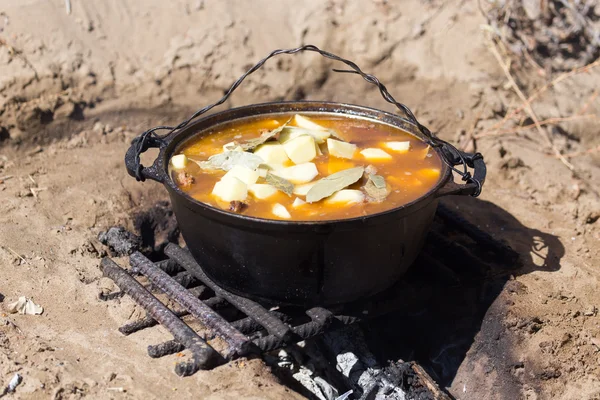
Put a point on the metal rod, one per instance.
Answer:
(165, 349)
(169, 266)
(238, 343)
(148, 322)
(439, 269)
(304, 331)
(252, 309)
(203, 356)
(186, 279)
(482, 238)
(456, 254)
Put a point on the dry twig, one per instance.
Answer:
(17, 53)
(493, 48)
(16, 254)
(549, 121)
(582, 153)
(540, 91)
(588, 102)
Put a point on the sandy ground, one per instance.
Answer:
(75, 89)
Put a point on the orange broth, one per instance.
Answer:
(409, 175)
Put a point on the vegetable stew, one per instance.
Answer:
(305, 167)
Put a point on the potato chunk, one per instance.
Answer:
(272, 153)
(400, 147)
(301, 190)
(340, 149)
(301, 149)
(292, 132)
(179, 161)
(301, 173)
(298, 202)
(262, 172)
(280, 211)
(262, 190)
(346, 196)
(230, 189)
(232, 146)
(374, 154)
(244, 174)
(306, 123)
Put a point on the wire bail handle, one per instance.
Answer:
(452, 156)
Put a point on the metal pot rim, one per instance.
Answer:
(176, 140)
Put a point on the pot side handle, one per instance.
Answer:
(132, 159)
(474, 183)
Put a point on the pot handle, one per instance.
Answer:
(428, 136)
(133, 163)
(474, 183)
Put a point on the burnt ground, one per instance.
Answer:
(75, 89)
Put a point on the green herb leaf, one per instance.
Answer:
(329, 185)
(376, 188)
(378, 181)
(254, 143)
(282, 184)
(229, 159)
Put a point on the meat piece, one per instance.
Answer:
(184, 179)
(237, 206)
(370, 170)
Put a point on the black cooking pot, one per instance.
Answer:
(304, 263)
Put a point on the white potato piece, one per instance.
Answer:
(280, 211)
(232, 146)
(301, 173)
(401, 147)
(298, 202)
(345, 197)
(306, 123)
(301, 149)
(262, 190)
(292, 132)
(262, 172)
(375, 154)
(272, 153)
(341, 149)
(425, 153)
(301, 190)
(230, 189)
(179, 161)
(246, 175)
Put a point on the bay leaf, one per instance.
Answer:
(329, 185)
(376, 188)
(229, 159)
(378, 181)
(254, 143)
(280, 183)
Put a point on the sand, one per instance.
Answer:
(75, 89)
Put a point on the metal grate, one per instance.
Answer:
(252, 329)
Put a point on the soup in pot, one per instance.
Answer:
(305, 167)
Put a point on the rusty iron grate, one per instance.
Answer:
(252, 329)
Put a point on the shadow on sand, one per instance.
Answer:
(460, 304)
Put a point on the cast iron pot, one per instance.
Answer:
(295, 262)
(303, 263)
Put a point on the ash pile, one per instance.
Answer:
(339, 365)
